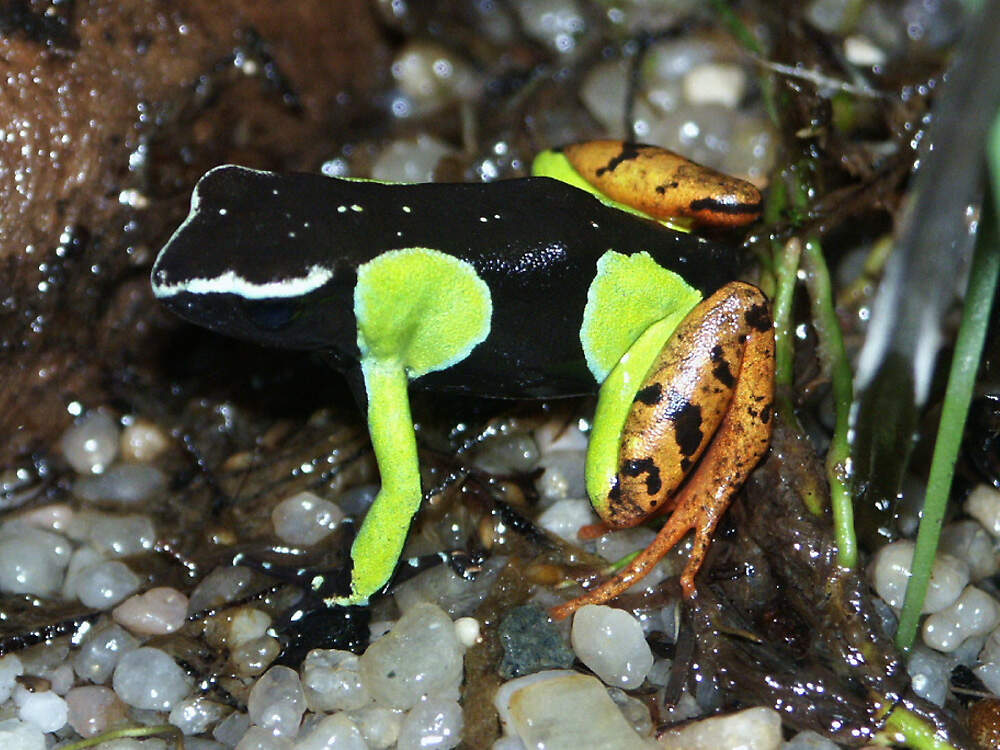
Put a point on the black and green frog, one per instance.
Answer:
(568, 282)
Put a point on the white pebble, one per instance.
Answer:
(434, 724)
(156, 612)
(507, 454)
(562, 475)
(118, 535)
(18, 735)
(860, 50)
(149, 678)
(91, 444)
(259, 738)
(253, 657)
(44, 709)
(467, 630)
(335, 732)
(716, 83)
(100, 654)
(563, 709)
(890, 570)
(930, 674)
(379, 725)
(125, 484)
(305, 518)
(54, 517)
(615, 545)
(222, 585)
(564, 518)
(231, 729)
(421, 655)
(611, 643)
(408, 160)
(105, 584)
(93, 710)
(331, 681)
(83, 558)
(247, 624)
(10, 669)
(557, 436)
(432, 76)
(276, 702)
(195, 714)
(983, 504)
(24, 571)
(61, 679)
(143, 441)
(603, 91)
(556, 23)
(974, 613)
(968, 541)
(752, 729)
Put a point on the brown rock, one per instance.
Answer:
(109, 111)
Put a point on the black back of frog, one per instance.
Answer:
(273, 259)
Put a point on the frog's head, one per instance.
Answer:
(232, 268)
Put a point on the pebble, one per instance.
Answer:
(253, 657)
(531, 643)
(125, 484)
(105, 584)
(434, 724)
(232, 728)
(983, 504)
(889, 572)
(43, 708)
(100, 654)
(507, 454)
(930, 674)
(409, 160)
(563, 710)
(19, 735)
(611, 643)
(562, 475)
(564, 518)
(196, 714)
(158, 611)
(143, 441)
(431, 76)
(32, 561)
(91, 444)
(862, 51)
(420, 656)
(149, 678)
(117, 535)
(82, 560)
(379, 726)
(61, 679)
(751, 729)
(10, 669)
(556, 23)
(968, 541)
(335, 732)
(715, 83)
(53, 517)
(974, 613)
(331, 681)
(258, 738)
(224, 584)
(467, 631)
(276, 702)
(558, 436)
(246, 624)
(93, 710)
(305, 518)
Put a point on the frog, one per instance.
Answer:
(581, 278)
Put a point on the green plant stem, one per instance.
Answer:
(904, 727)
(115, 734)
(834, 358)
(958, 395)
(787, 273)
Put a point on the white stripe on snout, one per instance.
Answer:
(231, 282)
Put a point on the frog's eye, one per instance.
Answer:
(272, 315)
